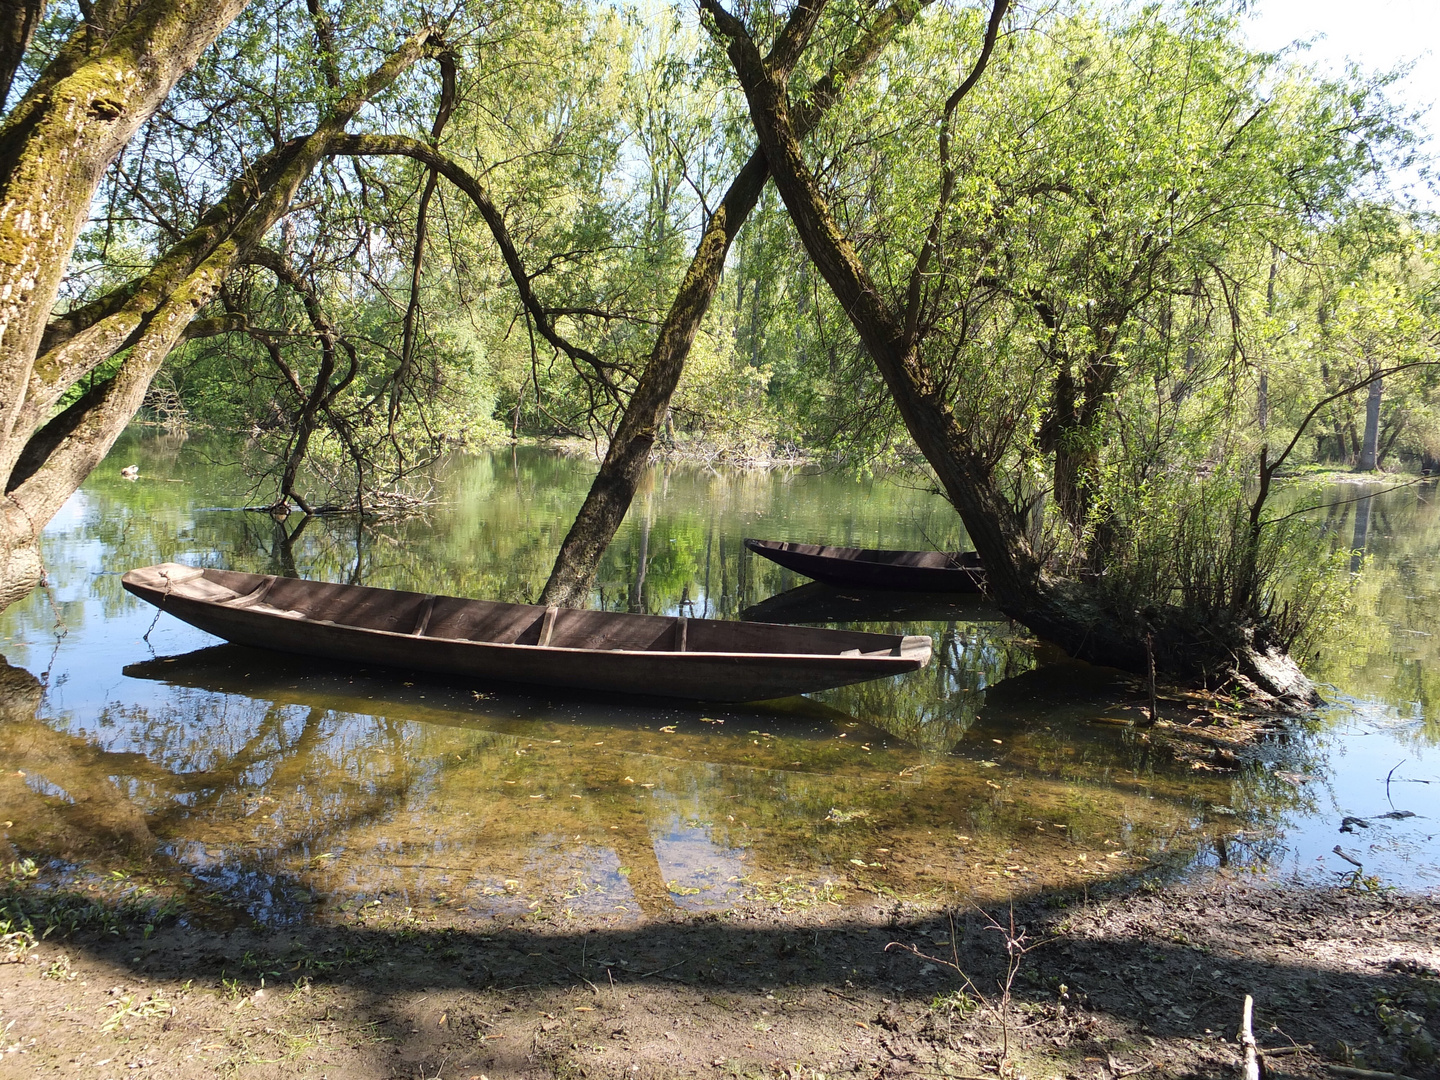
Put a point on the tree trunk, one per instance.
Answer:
(1368, 448)
(614, 486)
(55, 145)
(90, 100)
(17, 27)
(20, 566)
(1262, 395)
(998, 535)
(1062, 611)
(1389, 443)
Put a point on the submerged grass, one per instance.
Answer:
(34, 907)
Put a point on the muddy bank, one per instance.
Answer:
(1109, 984)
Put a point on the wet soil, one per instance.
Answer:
(1109, 983)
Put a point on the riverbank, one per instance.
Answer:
(1112, 982)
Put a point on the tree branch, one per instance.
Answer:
(1268, 468)
(154, 320)
(915, 292)
(457, 174)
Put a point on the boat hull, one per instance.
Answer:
(610, 652)
(877, 568)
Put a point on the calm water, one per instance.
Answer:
(287, 784)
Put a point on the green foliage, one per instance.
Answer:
(1187, 542)
(1360, 299)
(1102, 282)
(1162, 247)
(32, 909)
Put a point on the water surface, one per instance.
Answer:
(289, 786)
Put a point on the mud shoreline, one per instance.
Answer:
(1117, 981)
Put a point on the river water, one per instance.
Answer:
(287, 786)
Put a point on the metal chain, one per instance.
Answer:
(158, 609)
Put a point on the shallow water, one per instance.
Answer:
(283, 784)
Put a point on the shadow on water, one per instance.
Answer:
(500, 847)
(272, 783)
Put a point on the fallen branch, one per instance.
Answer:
(1349, 858)
(1365, 1074)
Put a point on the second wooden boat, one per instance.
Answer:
(652, 655)
(878, 568)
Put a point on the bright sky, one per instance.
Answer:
(1377, 34)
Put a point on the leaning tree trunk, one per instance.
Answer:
(55, 145)
(614, 486)
(1064, 612)
(613, 489)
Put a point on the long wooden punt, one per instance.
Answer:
(877, 568)
(653, 655)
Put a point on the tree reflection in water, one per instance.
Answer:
(277, 781)
(280, 784)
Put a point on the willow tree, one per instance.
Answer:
(1031, 264)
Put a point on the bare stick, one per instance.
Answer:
(1247, 1039)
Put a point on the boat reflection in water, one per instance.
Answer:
(819, 603)
(277, 782)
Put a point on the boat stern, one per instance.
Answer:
(917, 647)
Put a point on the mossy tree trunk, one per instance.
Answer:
(55, 145)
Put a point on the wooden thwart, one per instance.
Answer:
(423, 621)
(547, 625)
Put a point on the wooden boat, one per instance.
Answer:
(653, 655)
(877, 568)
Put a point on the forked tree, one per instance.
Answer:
(1011, 353)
